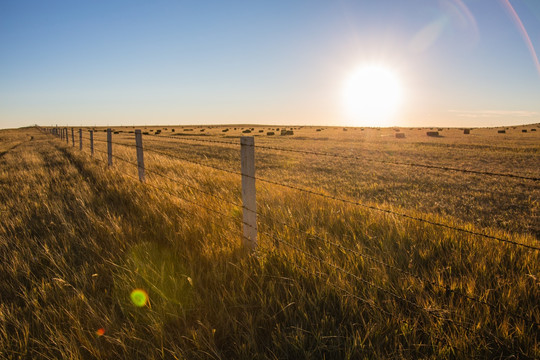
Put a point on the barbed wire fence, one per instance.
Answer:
(250, 215)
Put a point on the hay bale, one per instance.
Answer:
(172, 130)
(203, 130)
(247, 131)
(116, 132)
(145, 132)
(439, 129)
(501, 131)
(466, 131)
(261, 131)
(533, 129)
(432, 133)
(224, 130)
(400, 135)
(318, 130)
(344, 129)
(188, 129)
(286, 132)
(270, 133)
(524, 131)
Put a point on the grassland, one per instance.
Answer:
(330, 279)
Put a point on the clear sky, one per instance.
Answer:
(133, 62)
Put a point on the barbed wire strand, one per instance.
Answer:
(387, 211)
(445, 168)
(446, 288)
(434, 314)
(352, 202)
(353, 157)
(184, 137)
(429, 312)
(192, 161)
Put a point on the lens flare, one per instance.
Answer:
(100, 332)
(523, 31)
(139, 297)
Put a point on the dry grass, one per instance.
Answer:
(77, 237)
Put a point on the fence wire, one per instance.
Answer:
(342, 247)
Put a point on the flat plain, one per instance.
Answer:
(365, 244)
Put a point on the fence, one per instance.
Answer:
(250, 214)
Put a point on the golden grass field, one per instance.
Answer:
(330, 279)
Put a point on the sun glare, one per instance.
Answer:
(372, 95)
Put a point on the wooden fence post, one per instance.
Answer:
(247, 154)
(80, 139)
(109, 146)
(140, 156)
(73, 137)
(67, 136)
(92, 142)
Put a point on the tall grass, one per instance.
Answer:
(330, 280)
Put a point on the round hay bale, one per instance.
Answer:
(400, 135)
(501, 131)
(432, 133)
(270, 133)
(224, 130)
(533, 129)
(247, 131)
(524, 130)
(466, 131)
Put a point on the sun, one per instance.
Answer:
(372, 95)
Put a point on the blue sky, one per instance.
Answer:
(459, 62)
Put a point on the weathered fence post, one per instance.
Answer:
(140, 156)
(67, 136)
(92, 142)
(73, 137)
(80, 139)
(109, 146)
(247, 154)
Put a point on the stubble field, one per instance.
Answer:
(365, 245)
